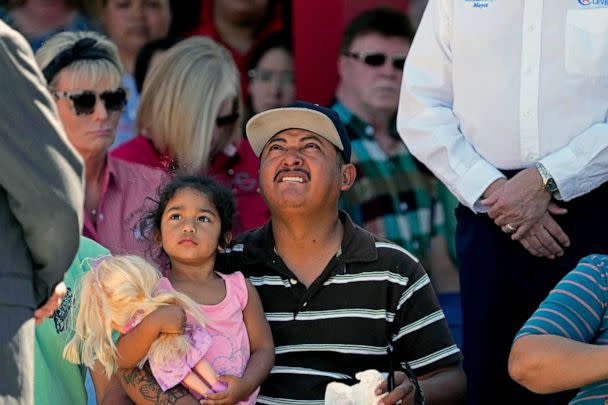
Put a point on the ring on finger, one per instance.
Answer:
(510, 228)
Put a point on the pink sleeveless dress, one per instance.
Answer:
(229, 350)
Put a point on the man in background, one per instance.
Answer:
(506, 103)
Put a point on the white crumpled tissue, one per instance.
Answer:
(362, 393)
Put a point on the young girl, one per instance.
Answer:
(191, 223)
(117, 294)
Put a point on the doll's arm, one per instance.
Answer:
(262, 354)
(133, 346)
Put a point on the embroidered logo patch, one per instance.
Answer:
(593, 3)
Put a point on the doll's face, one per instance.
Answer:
(190, 228)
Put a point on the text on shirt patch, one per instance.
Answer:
(480, 4)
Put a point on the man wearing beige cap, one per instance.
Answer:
(339, 299)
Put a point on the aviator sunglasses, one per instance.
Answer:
(84, 101)
(377, 59)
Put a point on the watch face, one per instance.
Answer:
(551, 186)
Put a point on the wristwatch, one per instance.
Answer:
(549, 183)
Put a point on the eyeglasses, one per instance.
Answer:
(377, 59)
(84, 102)
(285, 77)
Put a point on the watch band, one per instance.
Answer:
(549, 183)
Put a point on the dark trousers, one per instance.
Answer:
(501, 286)
(16, 355)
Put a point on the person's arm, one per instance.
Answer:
(555, 350)
(425, 118)
(422, 338)
(41, 173)
(142, 389)
(546, 363)
(442, 386)
(133, 346)
(262, 354)
(100, 381)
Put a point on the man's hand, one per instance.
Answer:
(51, 304)
(522, 202)
(403, 392)
(545, 238)
(495, 189)
(237, 390)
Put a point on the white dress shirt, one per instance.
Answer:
(502, 84)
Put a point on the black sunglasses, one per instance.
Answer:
(376, 59)
(84, 101)
(229, 119)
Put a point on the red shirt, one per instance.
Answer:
(207, 28)
(237, 169)
(123, 201)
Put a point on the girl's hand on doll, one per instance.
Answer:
(171, 318)
(238, 389)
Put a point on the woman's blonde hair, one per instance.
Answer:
(181, 99)
(116, 290)
(89, 70)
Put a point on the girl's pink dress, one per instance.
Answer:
(229, 350)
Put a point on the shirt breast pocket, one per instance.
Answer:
(586, 48)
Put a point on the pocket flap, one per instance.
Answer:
(594, 20)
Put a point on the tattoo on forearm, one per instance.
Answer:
(143, 381)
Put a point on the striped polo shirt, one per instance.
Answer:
(577, 309)
(394, 195)
(372, 295)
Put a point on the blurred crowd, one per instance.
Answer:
(149, 91)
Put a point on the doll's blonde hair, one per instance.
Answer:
(115, 290)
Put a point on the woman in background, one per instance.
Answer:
(38, 20)
(189, 123)
(271, 74)
(84, 72)
(130, 24)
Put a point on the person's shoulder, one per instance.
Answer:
(12, 39)
(395, 255)
(596, 263)
(133, 150)
(133, 171)
(88, 248)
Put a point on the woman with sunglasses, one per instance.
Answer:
(189, 123)
(83, 72)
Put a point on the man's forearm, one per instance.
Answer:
(143, 389)
(447, 386)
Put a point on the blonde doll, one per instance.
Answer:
(117, 294)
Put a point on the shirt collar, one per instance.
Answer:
(359, 125)
(358, 245)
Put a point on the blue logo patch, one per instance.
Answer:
(593, 3)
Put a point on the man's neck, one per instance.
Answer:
(379, 119)
(306, 243)
(238, 37)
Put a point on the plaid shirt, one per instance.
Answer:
(393, 196)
